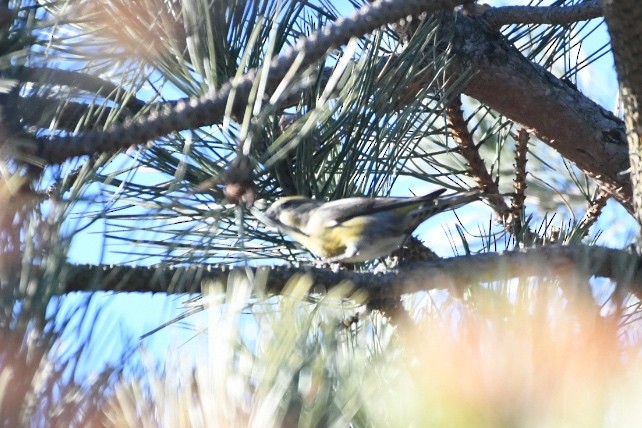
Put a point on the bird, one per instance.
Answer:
(357, 229)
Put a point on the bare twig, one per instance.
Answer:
(552, 15)
(476, 166)
(519, 182)
(482, 177)
(594, 210)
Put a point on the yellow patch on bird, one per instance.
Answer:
(329, 241)
(335, 242)
(330, 245)
(327, 247)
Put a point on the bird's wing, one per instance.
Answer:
(355, 207)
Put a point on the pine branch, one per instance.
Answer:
(555, 112)
(528, 95)
(551, 15)
(211, 107)
(457, 272)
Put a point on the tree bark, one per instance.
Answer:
(624, 19)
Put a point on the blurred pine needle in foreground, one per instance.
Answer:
(489, 359)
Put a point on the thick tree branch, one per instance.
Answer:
(552, 15)
(557, 113)
(553, 110)
(456, 272)
(623, 18)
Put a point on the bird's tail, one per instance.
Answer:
(451, 202)
(443, 203)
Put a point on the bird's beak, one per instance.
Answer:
(263, 218)
(260, 204)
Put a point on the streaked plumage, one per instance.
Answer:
(357, 229)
